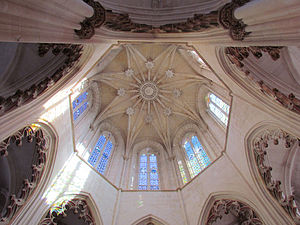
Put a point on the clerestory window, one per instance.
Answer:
(79, 105)
(196, 157)
(148, 172)
(218, 108)
(101, 153)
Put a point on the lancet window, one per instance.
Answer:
(79, 105)
(148, 172)
(196, 157)
(100, 156)
(218, 108)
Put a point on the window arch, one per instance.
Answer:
(195, 155)
(218, 108)
(100, 156)
(148, 177)
(79, 105)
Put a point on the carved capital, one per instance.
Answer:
(88, 25)
(228, 21)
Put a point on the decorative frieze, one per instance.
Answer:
(244, 213)
(18, 199)
(78, 206)
(237, 54)
(198, 23)
(228, 21)
(72, 53)
(265, 170)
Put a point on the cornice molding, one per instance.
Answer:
(122, 22)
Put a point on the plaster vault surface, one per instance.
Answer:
(150, 91)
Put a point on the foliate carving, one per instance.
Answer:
(78, 206)
(274, 186)
(72, 53)
(17, 201)
(199, 22)
(245, 214)
(227, 19)
(88, 25)
(290, 102)
(237, 54)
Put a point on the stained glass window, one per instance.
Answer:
(219, 108)
(148, 172)
(79, 105)
(81, 98)
(182, 172)
(197, 159)
(102, 151)
(143, 175)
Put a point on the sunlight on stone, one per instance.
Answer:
(77, 90)
(80, 148)
(140, 201)
(56, 106)
(70, 179)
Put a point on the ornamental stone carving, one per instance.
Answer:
(274, 186)
(18, 199)
(228, 21)
(237, 54)
(88, 25)
(61, 210)
(244, 213)
(72, 53)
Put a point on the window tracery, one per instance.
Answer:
(148, 172)
(218, 108)
(99, 157)
(196, 157)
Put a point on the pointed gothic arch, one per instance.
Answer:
(73, 209)
(150, 220)
(272, 150)
(32, 148)
(228, 208)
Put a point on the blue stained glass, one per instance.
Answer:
(81, 98)
(96, 152)
(79, 111)
(143, 176)
(105, 156)
(154, 181)
(193, 162)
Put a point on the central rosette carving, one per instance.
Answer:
(149, 91)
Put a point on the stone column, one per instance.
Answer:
(273, 22)
(42, 21)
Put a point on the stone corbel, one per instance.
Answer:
(229, 22)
